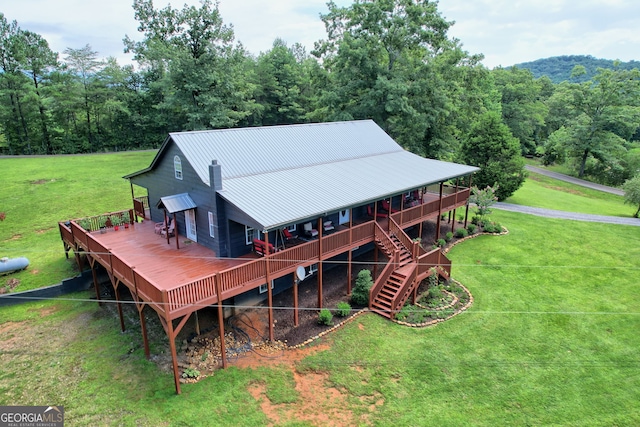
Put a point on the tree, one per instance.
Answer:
(200, 74)
(632, 193)
(492, 148)
(600, 116)
(38, 60)
(483, 199)
(391, 61)
(523, 110)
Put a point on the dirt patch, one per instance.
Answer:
(41, 181)
(15, 237)
(318, 404)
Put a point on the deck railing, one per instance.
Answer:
(240, 278)
(141, 205)
(407, 288)
(394, 260)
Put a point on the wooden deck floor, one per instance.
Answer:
(161, 263)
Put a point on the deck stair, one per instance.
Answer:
(397, 281)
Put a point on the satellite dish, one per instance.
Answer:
(301, 273)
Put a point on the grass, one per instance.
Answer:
(544, 192)
(551, 339)
(40, 191)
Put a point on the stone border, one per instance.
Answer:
(434, 321)
(331, 329)
(413, 325)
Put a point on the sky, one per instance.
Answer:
(506, 32)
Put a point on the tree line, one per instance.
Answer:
(387, 60)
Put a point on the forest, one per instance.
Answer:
(387, 60)
(559, 68)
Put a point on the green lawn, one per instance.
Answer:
(40, 191)
(551, 339)
(544, 192)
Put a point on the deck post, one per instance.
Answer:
(133, 200)
(296, 320)
(143, 326)
(350, 254)
(269, 290)
(223, 351)
(466, 212)
(168, 327)
(175, 231)
(96, 285)
(439, 213)
(320, 230)
(115, 283)
(453, 223)
(375, 262)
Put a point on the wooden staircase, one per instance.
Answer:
(396, 287)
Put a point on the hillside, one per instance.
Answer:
(558, 68)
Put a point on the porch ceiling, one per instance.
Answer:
(296, 195)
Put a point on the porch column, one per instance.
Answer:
(223, 350)
(175, 231)
(320, 229)
(133, 201)
(350, 254)
(295, 301)
(269, 291)
(439, 213)
(454, 210)
(466, 212)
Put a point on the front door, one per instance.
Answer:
(190, 222)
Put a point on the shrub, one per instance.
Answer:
(343, 309)
(190, 373)
(477, 220)
(471, 228)
(360, 292)
(325, 317)
(448, 236)
(441, 242)
(492, 227)
(436, 293)
(461, 232)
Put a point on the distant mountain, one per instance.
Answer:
(558, 68)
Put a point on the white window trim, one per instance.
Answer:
(313, 268)
(212, 228)
(249, 233)
(263, 288)
(292, 227)
(177, 167)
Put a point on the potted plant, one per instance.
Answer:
(116, 221)
(126, 219)
(102, 223)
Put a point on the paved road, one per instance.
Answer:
(551, 213)
(576, 181)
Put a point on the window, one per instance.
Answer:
(250, 233)
(263, 288)
(291, 227)
(313, 268)
(211, 225)
(177, 167)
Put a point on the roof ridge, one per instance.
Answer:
(400, 149)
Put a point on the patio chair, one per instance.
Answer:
(159, 226)
(387, 206)
(287, 235)
(170, 230)
(378, 214)
(328, 226)
(309, 230)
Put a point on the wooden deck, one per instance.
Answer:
(163, 264)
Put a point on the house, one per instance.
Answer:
(231, 194)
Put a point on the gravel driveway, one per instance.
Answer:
(551, 213)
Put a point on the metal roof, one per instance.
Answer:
(291, 196)
(177, 203)
(259, 150)
(281, 175)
